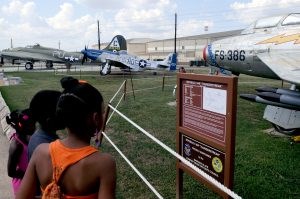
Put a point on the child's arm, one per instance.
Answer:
(15, 151)
(107, 177)
(28, 185)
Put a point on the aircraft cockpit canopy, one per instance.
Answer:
(37, 45)
(267, 22)
(292, 19)
(271, 22)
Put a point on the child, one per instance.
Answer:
(17, 162)
(43, 107)
(71, 168)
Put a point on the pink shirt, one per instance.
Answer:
(22, 162)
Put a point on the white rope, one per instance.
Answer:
(116, 107)
(133, 167)
(199, 171)
(144, 89)
(117, 91)
(158, 78)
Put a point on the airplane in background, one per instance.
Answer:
(35, 53)
(127, 62)
(32, 54)
(270, 48)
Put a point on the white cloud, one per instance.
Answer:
(248, 12)
(141, 18)
(121, 4)
(13, 8)
(194, 27)
(63, 19)
(28, 9)
(103, 4)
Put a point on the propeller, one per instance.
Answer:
(2, 62)
(84, 52)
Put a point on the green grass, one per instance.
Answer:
(265, 167)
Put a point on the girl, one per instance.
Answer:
(17, 162)
(71, 168)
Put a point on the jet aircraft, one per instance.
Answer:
(127, 62)
(269, 48)
(31, 54)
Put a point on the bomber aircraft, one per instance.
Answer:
(31, 54)
(270, 48)
(128, 62)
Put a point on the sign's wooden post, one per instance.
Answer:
(205, 130)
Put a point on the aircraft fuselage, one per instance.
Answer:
(239, 54)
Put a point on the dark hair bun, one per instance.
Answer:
(68, 82)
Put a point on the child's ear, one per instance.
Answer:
(98, 120)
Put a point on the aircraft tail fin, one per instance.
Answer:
(173, 63)
(170, 62)
(117, 43)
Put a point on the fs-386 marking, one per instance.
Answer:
(235, 55)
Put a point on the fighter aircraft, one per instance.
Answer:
(270, 48)
(127, 62)
(31, 54)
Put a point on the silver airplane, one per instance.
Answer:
(128, 62)
(270, 48)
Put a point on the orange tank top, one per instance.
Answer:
(62, 157)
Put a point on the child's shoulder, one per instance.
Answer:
(42, 150)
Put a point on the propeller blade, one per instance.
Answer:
(84, 52)
(84, 59)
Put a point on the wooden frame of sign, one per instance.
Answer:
(205, 129)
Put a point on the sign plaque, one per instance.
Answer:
(205, 130)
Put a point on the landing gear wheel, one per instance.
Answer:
(49, 65)
(282, 130)
(28, 66)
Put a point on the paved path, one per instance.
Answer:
(5, 181)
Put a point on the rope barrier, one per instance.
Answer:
(116, 107)
(133, 167)
(117, 91)
(199, 171)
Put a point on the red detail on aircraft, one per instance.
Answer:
(204, 53)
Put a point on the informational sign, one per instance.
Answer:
(206, 114)
(204, 108)
(204, 156)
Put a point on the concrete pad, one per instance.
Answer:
(275, 133)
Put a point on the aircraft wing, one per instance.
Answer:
(121, 65)
(284, 64)
(28, 56)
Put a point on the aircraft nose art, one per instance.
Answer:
(209, 56)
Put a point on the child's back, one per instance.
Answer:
(17, 163)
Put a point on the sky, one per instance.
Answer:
(72, 24)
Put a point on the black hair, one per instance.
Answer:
(43, 108)
(78, 100)
(22, 121)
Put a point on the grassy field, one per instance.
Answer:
(265, 166)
